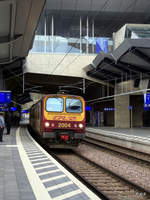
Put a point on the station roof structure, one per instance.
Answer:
(131, 57)
(19, 20)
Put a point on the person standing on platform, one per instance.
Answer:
(2, 125)
(8, 122)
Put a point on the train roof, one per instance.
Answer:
(61, 94)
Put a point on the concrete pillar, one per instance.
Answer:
(92, 117)
(138, 108)
(122, 113)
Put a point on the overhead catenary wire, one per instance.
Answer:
(117, 95)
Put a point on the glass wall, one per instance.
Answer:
(66, 34)
(138, 31)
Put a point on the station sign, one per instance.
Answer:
(3, 109)
(146, 100)
(3, 105)
(130, 107)
(87, 108)
(24, 111)
(109, 109)
(5, 97)
(12, 109)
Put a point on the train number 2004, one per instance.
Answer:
(64, 125)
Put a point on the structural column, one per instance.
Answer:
(122, 112)
(52, 33)
(1, 81)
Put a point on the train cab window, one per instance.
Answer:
(73, 105)
(54, 104)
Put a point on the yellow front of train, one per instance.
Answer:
(64, 118)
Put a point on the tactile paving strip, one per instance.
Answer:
(56, 182)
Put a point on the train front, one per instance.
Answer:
(64, 119)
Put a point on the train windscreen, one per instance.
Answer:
(54, 104)
(73, 105)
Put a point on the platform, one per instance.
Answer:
(137, 139)
(28, 172)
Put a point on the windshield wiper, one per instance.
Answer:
(74, 107)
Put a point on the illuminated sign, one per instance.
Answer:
(3, 109)
(5, 97)
(3, 105)
(12, 109)
(109, 109)
(24, 111)
(147, 100)
(130, 107)
(87, 108)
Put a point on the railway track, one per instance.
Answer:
(104, 181)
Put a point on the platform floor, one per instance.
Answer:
(135, 138)
(28, 172)
(140, 132)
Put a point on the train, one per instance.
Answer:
(59, 120)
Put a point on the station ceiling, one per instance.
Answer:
(19, 19)
(109, 15)
(18, 22)
(49, 84)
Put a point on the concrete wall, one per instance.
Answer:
(119, 36)
(57, 64)
(122, 102)
(122, 113)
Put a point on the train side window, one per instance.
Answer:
(54, 104)
(73, 105)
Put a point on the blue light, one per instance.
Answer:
(5, 97)
(3, 109)
(3, 104)
(130, 107)
(24, 111)
(109, 109)
(146, 108)
(12, 109)
(87, 108)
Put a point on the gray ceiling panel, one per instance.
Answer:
(104, 5)
(5, 10)
(18, 21)
(133, 59)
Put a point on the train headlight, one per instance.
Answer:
(75, 125)
(47, 124)
(52, 124)
(80, 125)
